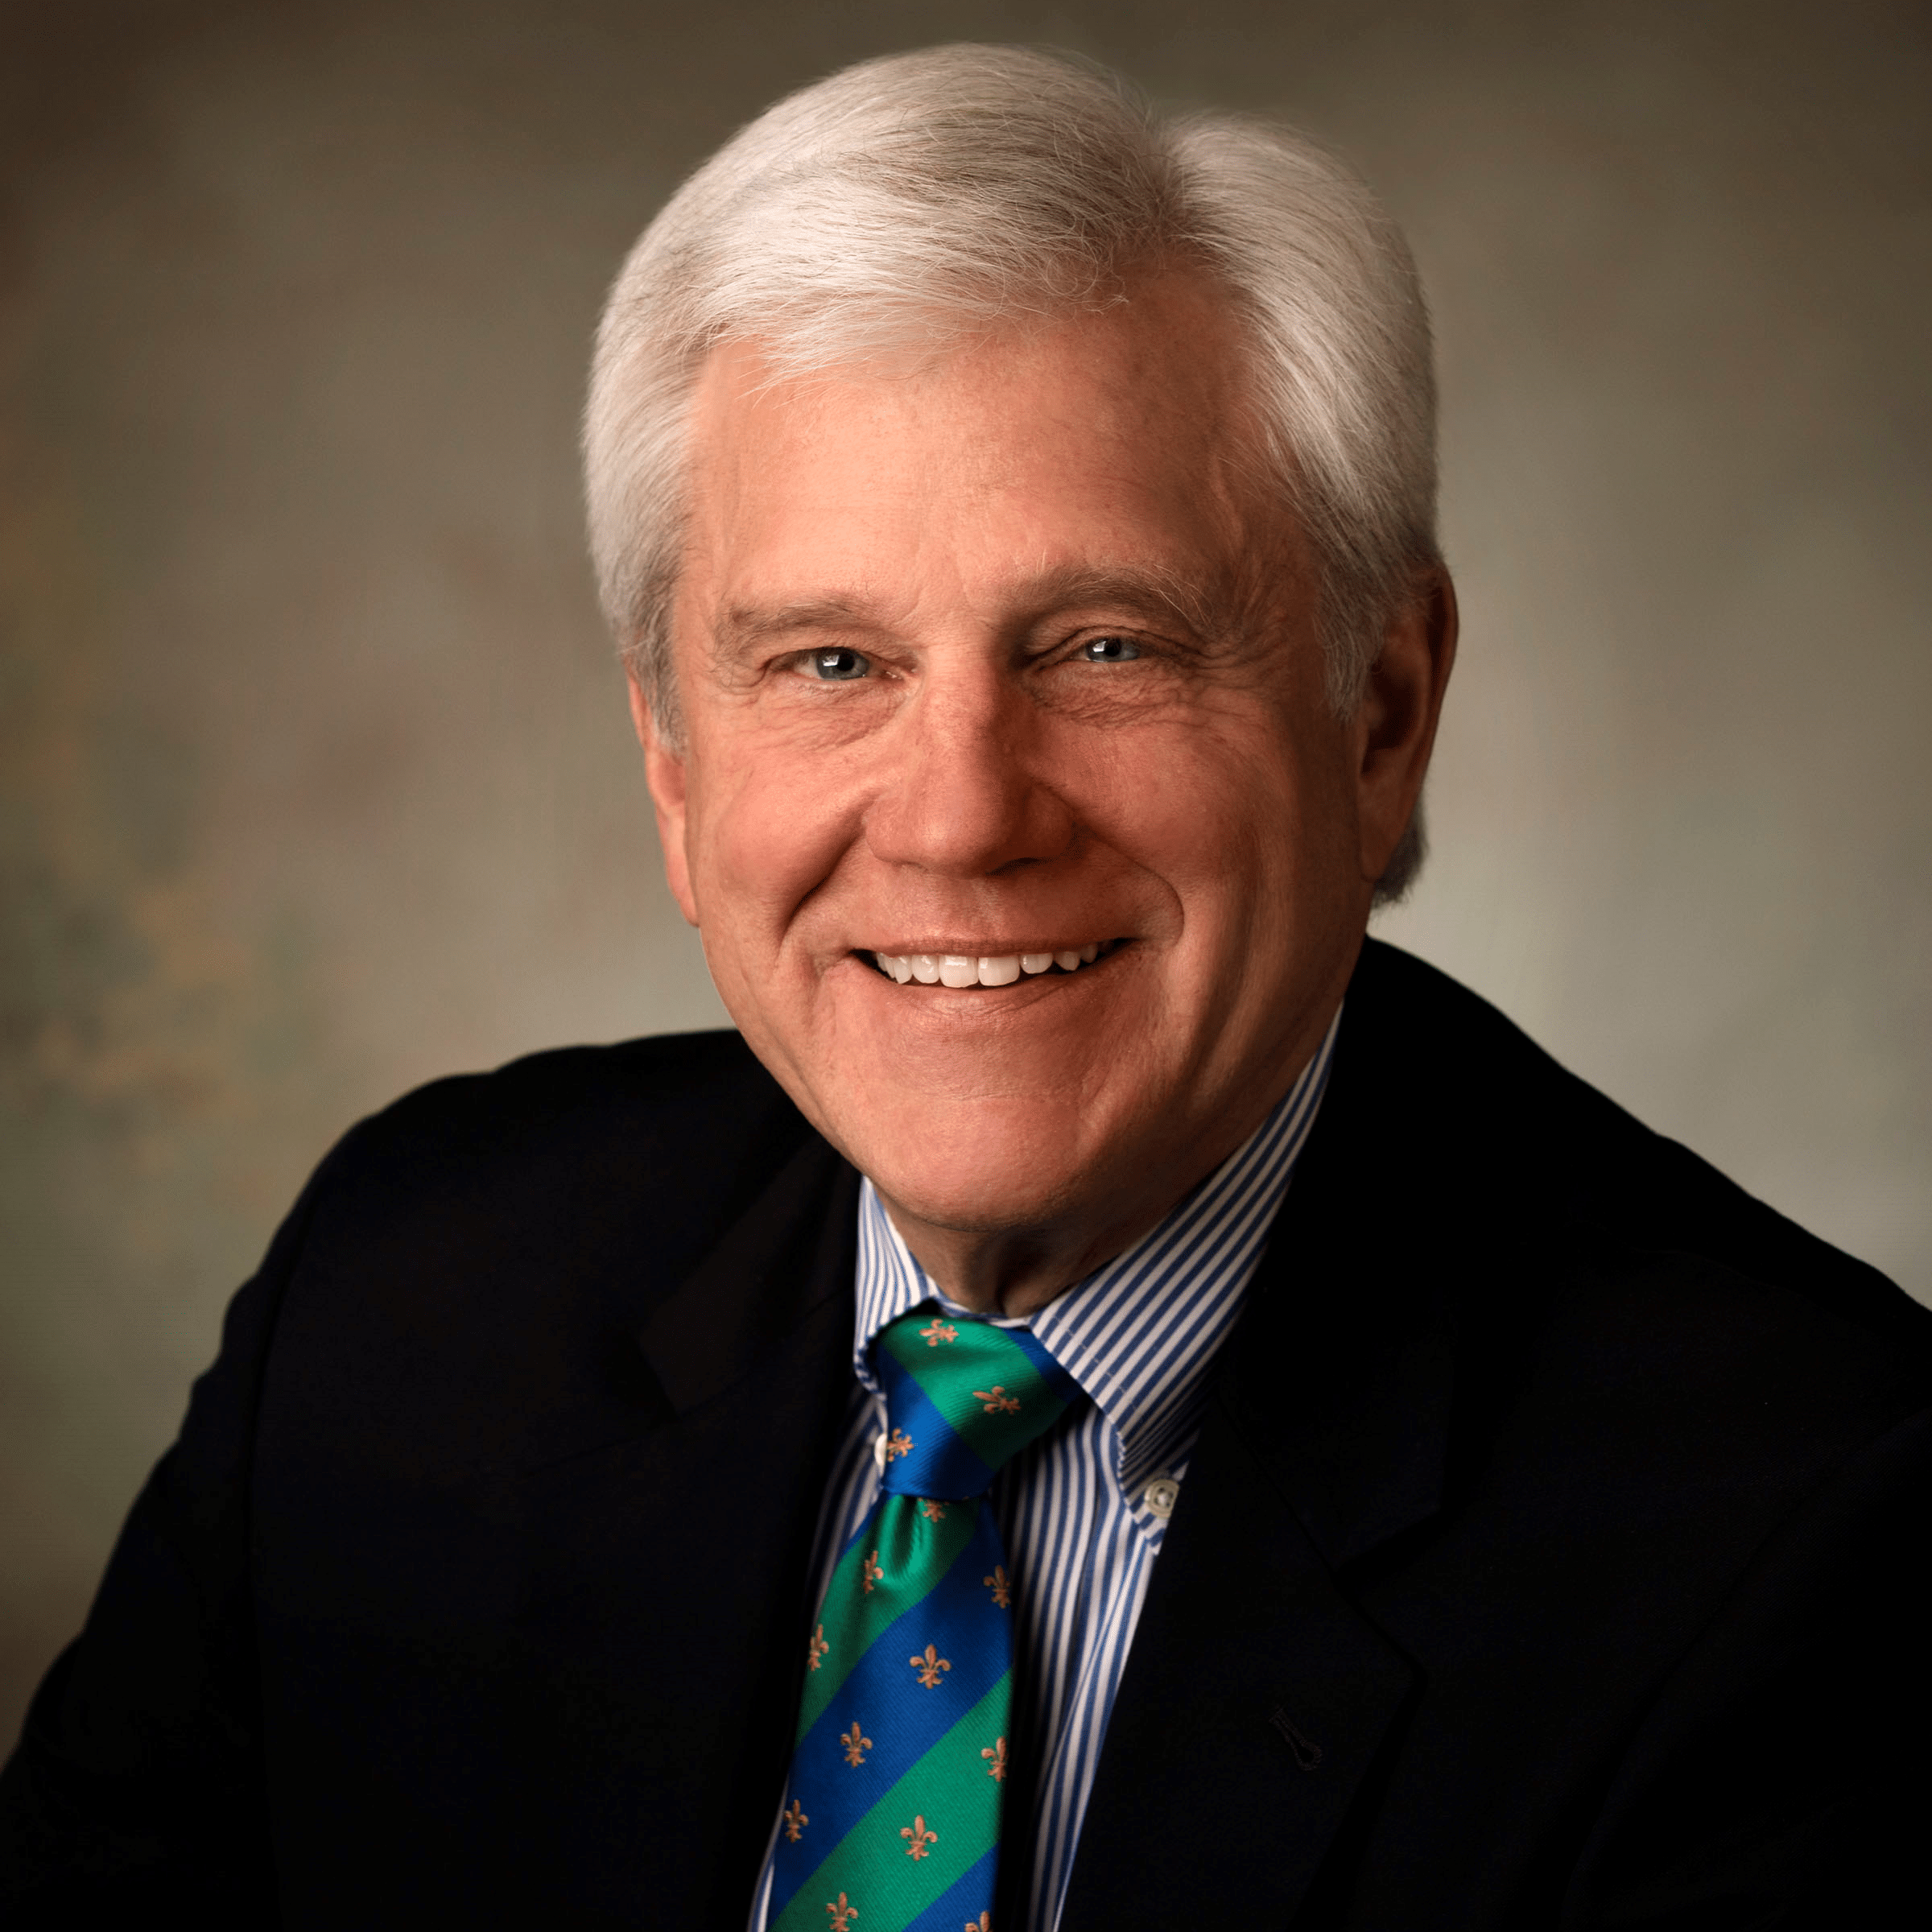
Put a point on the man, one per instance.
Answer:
(1108, 1402)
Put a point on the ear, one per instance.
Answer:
(1395, 724)
(664, 773)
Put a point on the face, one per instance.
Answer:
(1003, 669)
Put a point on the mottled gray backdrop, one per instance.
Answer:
(315, 780)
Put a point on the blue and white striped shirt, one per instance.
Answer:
(1139, 1335)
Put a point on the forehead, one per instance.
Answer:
(1088, 444)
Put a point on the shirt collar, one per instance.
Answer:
(1141, 1332)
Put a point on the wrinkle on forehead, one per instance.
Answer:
(1159, 385)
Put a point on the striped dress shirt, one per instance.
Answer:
(1082, 1510)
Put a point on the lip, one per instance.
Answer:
(988, 949)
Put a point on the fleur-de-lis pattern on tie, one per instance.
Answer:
(917, 1638)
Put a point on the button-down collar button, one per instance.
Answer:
(1161, 1495)
(878, 1452)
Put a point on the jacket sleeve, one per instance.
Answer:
(139, 1778)
(1781, 1777)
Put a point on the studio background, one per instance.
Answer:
(314, 777)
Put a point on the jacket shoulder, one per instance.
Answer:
(1618, 1457)
(474, 1258)
(682, 1128)
(1556, 1159)
(678, 1080)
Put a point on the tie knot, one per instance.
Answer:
(961, 1398)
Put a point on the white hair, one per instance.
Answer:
(963, 189)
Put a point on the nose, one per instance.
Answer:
(962, 792)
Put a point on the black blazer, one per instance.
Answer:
(1554, 1555)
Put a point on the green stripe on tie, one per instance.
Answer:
(912, 1554)
(947, 1806)
(982, 1384)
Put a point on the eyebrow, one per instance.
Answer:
(1147, 588)
(747, 623)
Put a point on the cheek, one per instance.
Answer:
(1240, 821)
(764, 835)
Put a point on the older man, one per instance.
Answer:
(915, 1461)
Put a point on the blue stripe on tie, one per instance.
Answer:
(885, 1697)
(942, 1463)
(962, 1902)
(1066, 1390)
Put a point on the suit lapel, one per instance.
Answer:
(1254, 1699)
(668, 1588)
(1257, 1693)
(774, 1274)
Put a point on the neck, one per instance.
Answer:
(1012, 1270)
(1016, 1270)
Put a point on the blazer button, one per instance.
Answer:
(1161, 1495)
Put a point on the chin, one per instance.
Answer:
(974, 1206)
(982, 1190)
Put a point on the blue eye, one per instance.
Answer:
(1109, 650)
(837, 666)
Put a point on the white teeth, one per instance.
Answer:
(959, 969)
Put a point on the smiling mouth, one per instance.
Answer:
(960, 969)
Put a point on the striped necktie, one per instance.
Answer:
(892, 1814)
